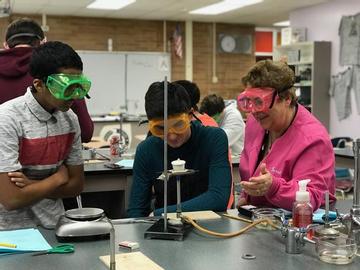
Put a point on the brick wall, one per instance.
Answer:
(229, 67)
(139, 35)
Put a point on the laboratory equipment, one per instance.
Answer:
(326, 229)
(352, 220)
(335, 249)
(271, 214)
(81, 224)
(295, 237)
(176, 228)
(162, 229)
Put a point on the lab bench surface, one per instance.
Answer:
(197, 251)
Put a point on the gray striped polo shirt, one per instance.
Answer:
(37, 143)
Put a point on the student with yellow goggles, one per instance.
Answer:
(177, 124)
(68, 86)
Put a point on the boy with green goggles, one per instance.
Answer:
(68, 86)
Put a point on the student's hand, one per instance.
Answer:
(259, 185)
(63, 174)
(20, 179)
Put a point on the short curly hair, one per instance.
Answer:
(193, 91)
(212, 104)
(278, 75)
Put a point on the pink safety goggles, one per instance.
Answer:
(256, 99)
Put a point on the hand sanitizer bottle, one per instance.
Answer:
(302, 212)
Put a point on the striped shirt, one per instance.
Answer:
(37, 143)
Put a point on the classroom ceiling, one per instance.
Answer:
(261, 15)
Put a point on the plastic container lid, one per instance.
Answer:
(178, 162)
(302, 195)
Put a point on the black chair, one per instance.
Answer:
(340, 142)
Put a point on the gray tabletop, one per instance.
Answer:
(197, 251)
(100, 166)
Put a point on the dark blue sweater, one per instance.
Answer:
(209, 189)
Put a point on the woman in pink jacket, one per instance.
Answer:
(284, 142)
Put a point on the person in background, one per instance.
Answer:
(284, 143)
(194, 93)
(204, 149)
(40, 145)
(22, 36)
(229, 119)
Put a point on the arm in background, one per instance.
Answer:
(86, 124)
(140, 195)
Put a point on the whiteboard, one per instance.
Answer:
(106, 70)
(142, 70)
(121, 79)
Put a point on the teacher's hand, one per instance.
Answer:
(259, 185)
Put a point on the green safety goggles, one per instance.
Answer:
(68, 86)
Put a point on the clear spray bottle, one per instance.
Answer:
(302, 212)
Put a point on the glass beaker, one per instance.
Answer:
(336, 249)
(270, 214)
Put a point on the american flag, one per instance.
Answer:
(177, 42)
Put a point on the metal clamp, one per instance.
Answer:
(294, 239)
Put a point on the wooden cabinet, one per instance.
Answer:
(311, 63)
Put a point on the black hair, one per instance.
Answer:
(212, 104)
(193, 91)
(178, 100)
(24, 31)
(52, 56)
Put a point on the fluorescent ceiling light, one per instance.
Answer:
(224, 6)
(110, 4)
(283, 23)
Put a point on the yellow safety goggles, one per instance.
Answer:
(177, 124)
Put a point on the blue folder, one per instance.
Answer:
(26, 240)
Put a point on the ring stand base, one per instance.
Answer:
(178, 232)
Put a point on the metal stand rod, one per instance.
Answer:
(120, 133)
(112, 246)
(165, 150)
(354, 231)
(356, 198)
(78, 200)
(178, 197)
(327, 206)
